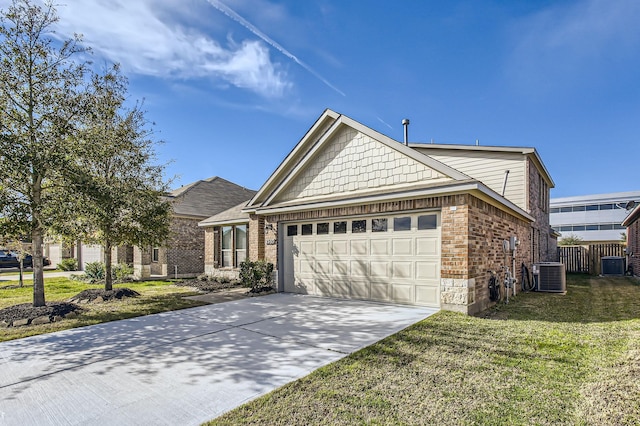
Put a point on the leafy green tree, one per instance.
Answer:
(41, 99)
(570, 240)
(119, 185)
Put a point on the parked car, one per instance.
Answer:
(10, 260)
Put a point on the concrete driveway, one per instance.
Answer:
(184, 367)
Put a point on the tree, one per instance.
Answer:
(119, 186)
(570, 240)
(41, 99)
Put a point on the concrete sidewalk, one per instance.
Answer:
(184, 367)
(28, 275)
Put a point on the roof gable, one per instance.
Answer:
(349, 159)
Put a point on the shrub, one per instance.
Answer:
(256, 274)
(70, 264)
(121, 272)
(94, 271)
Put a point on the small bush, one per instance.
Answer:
(203, 277)
(94, 271)
(223, 279)
(70, 264)
(256, 275)
(121, 272)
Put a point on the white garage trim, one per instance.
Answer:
(387, 258)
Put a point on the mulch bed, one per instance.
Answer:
(96, 295)
(27, 314)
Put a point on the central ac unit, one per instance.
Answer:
(612, 265)
(550, 276)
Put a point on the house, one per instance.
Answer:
(632, 224)
(593, 218)
(352, 213)
(183, 254)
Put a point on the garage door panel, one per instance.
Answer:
(360, 289)
(323, 287)
(340, 247)
(380, 291)
(401, 246)
(306, 248)
(427, 270)
(380, 247)
(359, 268)
(402, 270)
(306, 266)
(427, 246)
(427, 295)
(340, 267)
(402, 293)
(323, 248)
(379, 269)
(359, 247)
(341, 287)
(323, 268)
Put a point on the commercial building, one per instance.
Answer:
(594, 218)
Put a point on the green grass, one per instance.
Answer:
(155, 296)
(542, 359)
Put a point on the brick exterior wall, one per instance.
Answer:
(633, 246)
(185, 247)
(542, 245)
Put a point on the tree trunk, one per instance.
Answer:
(21, 267)
(108, 280)
(38, 274)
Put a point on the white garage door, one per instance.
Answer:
(91, 253)
(384, 258)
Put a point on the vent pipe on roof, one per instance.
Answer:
(405, 123)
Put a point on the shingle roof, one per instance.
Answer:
(208, 197)
(230, 216)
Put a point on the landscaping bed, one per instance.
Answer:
(154, 297)
(26, 314)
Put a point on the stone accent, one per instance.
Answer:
(379, 166)
(141, 262)
(456, 295)
(21, 322)
(41, 320)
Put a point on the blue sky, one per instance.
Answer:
(233, 85)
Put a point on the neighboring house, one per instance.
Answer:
(594, 218)
(56, 251)
(632, 224)
(183, 254)
(351, 213)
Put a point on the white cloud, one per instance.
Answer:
(156, 38)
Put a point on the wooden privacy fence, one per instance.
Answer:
(586, 259)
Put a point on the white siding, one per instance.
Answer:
(489, 168)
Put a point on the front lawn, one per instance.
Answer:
(542, 359)
(155, 296)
